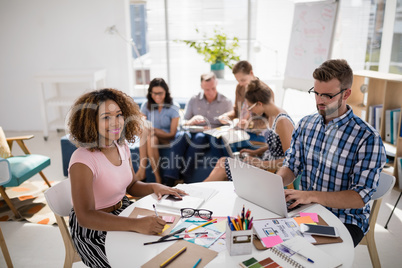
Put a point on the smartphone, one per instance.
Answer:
(319, 230)
(174, 198)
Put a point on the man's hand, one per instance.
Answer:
(299, 197)
(196, 120)
(224, 119)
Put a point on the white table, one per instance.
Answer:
(126, 249)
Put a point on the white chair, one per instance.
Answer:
(399, 197)
(385, 185)
(58, 198)
(5, 177)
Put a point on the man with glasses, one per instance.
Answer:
(337, 154)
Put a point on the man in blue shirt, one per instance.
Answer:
(338, 155)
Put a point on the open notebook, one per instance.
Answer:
(195, 198)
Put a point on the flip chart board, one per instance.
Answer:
(310, 42)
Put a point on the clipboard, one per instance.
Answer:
(318, 238)
(187, 259)
(146, 212)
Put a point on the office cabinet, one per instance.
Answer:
(382, 89)
(51, 92)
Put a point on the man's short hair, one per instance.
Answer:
(338, 69)
(242, 67)
(208, 76)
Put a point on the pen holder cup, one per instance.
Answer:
(239, 242)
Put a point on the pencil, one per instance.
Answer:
(177, 254)
(208, 222)
(161, 241)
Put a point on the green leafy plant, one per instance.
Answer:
(217, 48)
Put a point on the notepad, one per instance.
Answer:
(187, 201)
(195, 198)
(279, 256)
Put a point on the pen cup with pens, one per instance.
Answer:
(239, 234)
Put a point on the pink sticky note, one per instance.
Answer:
(168, 219)
(313, 216)
(271, 241)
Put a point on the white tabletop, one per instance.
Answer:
(126, 249)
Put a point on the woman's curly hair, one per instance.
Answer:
(83, 117)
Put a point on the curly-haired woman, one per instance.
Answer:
(101, 173)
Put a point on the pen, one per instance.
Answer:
(295, 252)
(161, 241)
(177, 254)
(196, 264)
(208, 222)
(230, 224)
(200, 233)
(156, 212)
(172, 234)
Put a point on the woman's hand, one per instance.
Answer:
(243, 124)
(150, 225)
(248, 151)
(160, 190)
(253, 161)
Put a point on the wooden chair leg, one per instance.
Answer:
(71, 254)
(372, 248)
(9, 203)
(4, 249)
(44, 178)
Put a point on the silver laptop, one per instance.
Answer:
(261, 187)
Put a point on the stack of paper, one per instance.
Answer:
(204, 193)
(195, 198)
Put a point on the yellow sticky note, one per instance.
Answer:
(305, 219)
(167, 226)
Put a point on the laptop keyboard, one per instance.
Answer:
(291, 202)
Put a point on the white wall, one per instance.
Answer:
(40, 35)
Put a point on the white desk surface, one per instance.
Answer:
(126, 249)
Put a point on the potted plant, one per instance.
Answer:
(217, 50)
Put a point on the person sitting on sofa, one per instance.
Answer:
(164, 117)
(278, 135)
(203, 110)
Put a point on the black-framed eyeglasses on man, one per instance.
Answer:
(325, 95)
(202, 213)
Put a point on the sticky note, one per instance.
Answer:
(271, 241)
(168, 219)
(167, 226)
(313, 216)
(305, 219)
